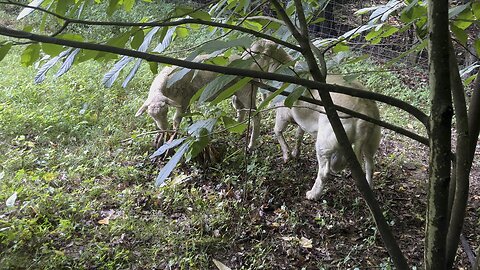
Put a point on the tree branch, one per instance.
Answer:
(462, 166)
(220, 69)
(163, 24)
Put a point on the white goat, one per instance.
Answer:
(178, 95)
(364, 136)
(160, 97)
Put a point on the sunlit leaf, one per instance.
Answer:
(220, 265)
(454, 11)
(128, 4)
(42, 72)
(177, 75)
(11, 200)
(112, 6)
(30, 54)
(340, 47)
(273, 96)
(67, 64)
(181, 32)
(171, 164)
(26, 11)
(169, 145)
(52, 49)
(132, 73)
(460, 34)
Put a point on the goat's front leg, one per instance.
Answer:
(281, 123)
(177, 119)
(255, 130)
(298, 142)
(323, 157)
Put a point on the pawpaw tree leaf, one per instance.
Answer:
(169, 145)
(460, 34)
(208, 124)
(67, 64)
(172, 163)
(110, 77)
(167, 39)
(52, 49)
(137, 39)
(42, 72)
(4, 49)
(27, 11)
(214, 87)
(132, 73)
(476, 44)
(273, 96)
(181, 32)
(232, 125)
(199, 144)
(128, 4)
(454, 11)
(219, 45)
(231, 90)
(112, 6)
(30, 54)
(177, 75)
(294, 96)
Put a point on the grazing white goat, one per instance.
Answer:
(364, 136)
(161, 96)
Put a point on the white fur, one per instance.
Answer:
(365, 136)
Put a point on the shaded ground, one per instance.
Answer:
(337, 231)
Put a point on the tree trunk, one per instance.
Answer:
(439, 134)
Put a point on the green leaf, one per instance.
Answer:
(294, 96)
(52, 49)
(477, 46)
(74, 37)
(202, 15)
(128, 4)
(464, 19)
(272, 96)
(199, 144)
(460, 34)
(137, 39)
(476, 9)
(112, 6)
(153, 67)
(340, 47)
(217, 45)
(214, 87)
(454, 11)
(232, 125)
(30, 54)
(172, 163)
(4, 49)
(252, 25)
(231, 90)
(181, 32)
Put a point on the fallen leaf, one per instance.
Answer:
(106, 220)
(220, 265)
(306, 243)
(11, 200)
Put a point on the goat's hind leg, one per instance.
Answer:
(281, 124)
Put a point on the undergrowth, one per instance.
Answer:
(77, 188)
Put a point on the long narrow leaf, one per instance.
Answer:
(26, 11)
(42, 72)
(132, 73)
(196, 127)
(214, 87)
(67, 64)
(166, 41)
(167, 146)
(171, 164)
(178, 75)
(231, 90)
(110, 77)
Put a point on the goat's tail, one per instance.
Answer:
(142, 109)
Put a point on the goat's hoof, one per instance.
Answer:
(312, 195)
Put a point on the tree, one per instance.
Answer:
(234, 25)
